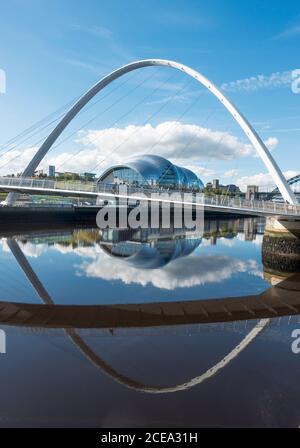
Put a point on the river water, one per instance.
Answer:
(116, 369)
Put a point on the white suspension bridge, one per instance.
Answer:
(289, 209)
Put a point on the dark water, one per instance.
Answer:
(145, 374)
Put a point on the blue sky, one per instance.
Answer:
(53, 51)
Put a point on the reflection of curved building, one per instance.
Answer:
(149, 248)
(152, 171)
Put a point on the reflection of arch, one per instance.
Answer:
(254, 138)
(100, 363)
(132, 384)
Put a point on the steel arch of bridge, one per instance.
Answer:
(291, 181)
(254, 138)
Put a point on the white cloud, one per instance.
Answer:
(230, 173)
(178, 274)
(263, 180)
(271, 143)
(273, 81)
(199, 170)
(16, 160)
(174, 140)
(184, 144)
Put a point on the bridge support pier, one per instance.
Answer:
(281, 246)
(283, 227)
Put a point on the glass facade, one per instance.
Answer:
(154, 171)
(128, 176)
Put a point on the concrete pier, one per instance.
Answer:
(281, 246)
(283, 227)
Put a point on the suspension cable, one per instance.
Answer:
(43, 138)
(61, 115)
(143, 124)
(94, 118)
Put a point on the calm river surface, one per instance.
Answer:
(144, 374)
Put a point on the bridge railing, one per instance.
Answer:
(216, 200)
(262, 206)
(47, 184)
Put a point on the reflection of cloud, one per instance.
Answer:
(3, 245)
(185, 272)
(32, 250)
(228, 242)
(29, 249)
(181, 273)
(83, 252)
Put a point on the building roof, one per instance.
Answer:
(153, 168)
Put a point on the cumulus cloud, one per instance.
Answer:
(171, 139)
(16, 160)
(263, 180)
(184, 144)
(271, 143)
(230, 173)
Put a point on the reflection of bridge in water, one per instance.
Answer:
(280, 300)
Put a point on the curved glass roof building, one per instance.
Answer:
(151, 170)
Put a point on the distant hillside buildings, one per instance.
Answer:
(154, 170)
(66, 175)
(218, 188)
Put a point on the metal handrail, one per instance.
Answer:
(216, 200)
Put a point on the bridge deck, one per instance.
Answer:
(92, 190)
